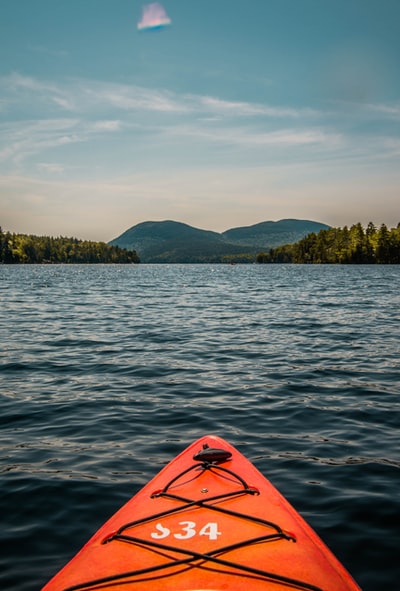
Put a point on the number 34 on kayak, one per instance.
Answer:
(209, 521)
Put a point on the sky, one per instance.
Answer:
(215, 113)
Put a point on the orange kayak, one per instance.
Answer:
(208, 521)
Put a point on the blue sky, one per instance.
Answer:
(238, 111)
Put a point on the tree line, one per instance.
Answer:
(23, 248)
(354, 245)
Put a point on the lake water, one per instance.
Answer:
(107, 372)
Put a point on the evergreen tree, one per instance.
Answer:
(341, 245)
(20, 248)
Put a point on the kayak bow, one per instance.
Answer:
(208, 521)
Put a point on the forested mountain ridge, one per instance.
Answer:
(354, 245)
(175, 242)
(23, 248)
(284, 231)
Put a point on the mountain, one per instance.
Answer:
(175, 242)
(271, 234)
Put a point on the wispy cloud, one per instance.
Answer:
(246, 109)
(111, 125)
(35, 92)
(134, 98)
(247, 136)
(390, 110)
(78, 95)
(171, 126)
(51, 167)
(23, 139)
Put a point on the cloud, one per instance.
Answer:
(136, 98)
(51, 167)
(248, 136)
(22, 139)
(154, 17)
(105, 128)
(392, 111)
(246, 109)
(83, 96)
(111, 125)
(36, 92)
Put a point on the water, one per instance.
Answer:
(107, 372)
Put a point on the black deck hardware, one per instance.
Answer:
(212, 455)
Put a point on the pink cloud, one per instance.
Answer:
(154, 16)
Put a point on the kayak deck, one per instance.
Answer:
(209, 520)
